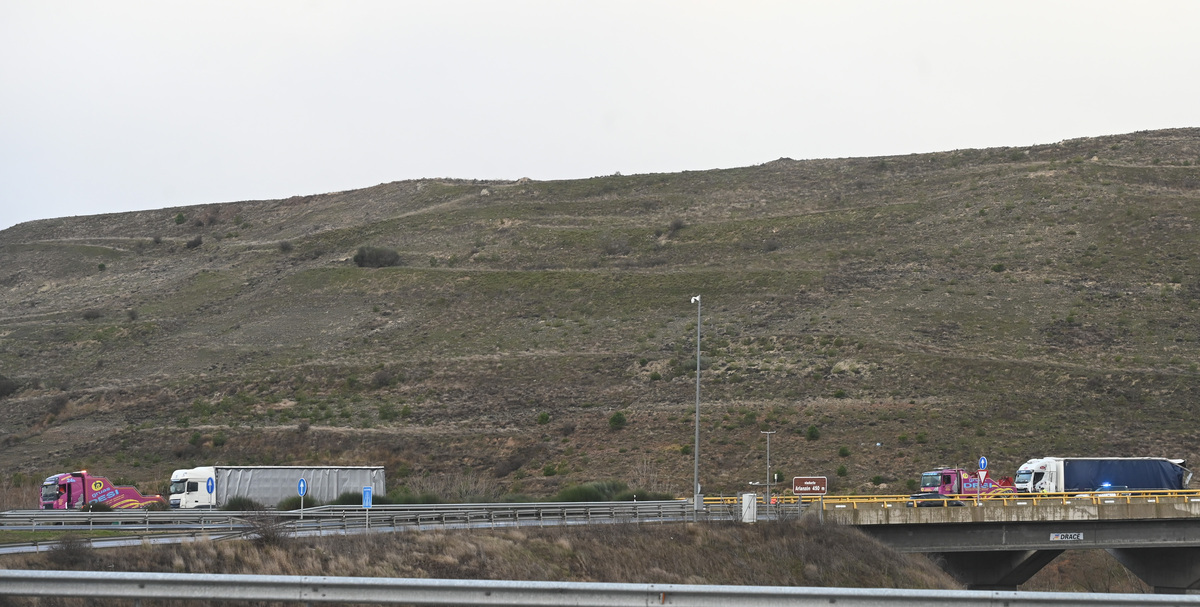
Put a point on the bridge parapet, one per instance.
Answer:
(1010, 511)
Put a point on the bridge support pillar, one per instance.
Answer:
(1168, 570)
(994, 570)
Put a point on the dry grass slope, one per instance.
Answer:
(917, 310)
(783, 554)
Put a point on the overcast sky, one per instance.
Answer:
(118, 106)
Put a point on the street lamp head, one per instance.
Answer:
(696, 299)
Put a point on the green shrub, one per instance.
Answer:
(841, 471)
(876, 480)
(549, 470)
(285, 246)
(179, 219)
(158, 506)
(96, 507)
(387, 412)
(812, 433)
(242, 504)
(599, 491)
(72, 551)
(376, 257)
(844, 451)
(404, 495)
(685, 449)
(543, 418)
(998, 267)
(195, 242)
(351, 498)
(92, 314)
(617, 421)
(101, 267)
(293, 503)
(912, 484)
(220, 439)
(382, 378)
(7, 386)
(642, 495)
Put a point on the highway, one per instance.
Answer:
(997, 542)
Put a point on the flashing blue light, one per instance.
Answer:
(1105, 484)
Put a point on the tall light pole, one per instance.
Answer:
(767, 501)
(696, 447)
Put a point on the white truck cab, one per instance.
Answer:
(1039, 476)
(194, 488)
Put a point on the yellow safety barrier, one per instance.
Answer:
(970, 499)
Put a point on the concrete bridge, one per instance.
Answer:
(999, 544)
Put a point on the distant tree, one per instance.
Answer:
(195, 242)
(179, 219)
(376, 257)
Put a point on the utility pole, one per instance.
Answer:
(767, 501)
(696, 499)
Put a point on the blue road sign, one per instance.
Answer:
(302, 487)
(982, 463)
(211, 485)
(367, 497)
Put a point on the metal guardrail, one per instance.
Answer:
(313, 589)
(149, 519)
(173, 526)
(447, 515)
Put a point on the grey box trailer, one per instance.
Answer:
(214, 486)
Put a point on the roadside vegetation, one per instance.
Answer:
(496, 340)
(783, 554)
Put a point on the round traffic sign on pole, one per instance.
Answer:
(302, 487)
(982, 463)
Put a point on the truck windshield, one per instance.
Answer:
(1024, 476)
(931, 480)
(178, 487)
(49, 492)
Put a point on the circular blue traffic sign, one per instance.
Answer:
(982, 463)
(211, 485)
(302, 487)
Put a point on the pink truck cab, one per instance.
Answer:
(71, 490)
(956, 481)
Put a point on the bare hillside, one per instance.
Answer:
(913, 311)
